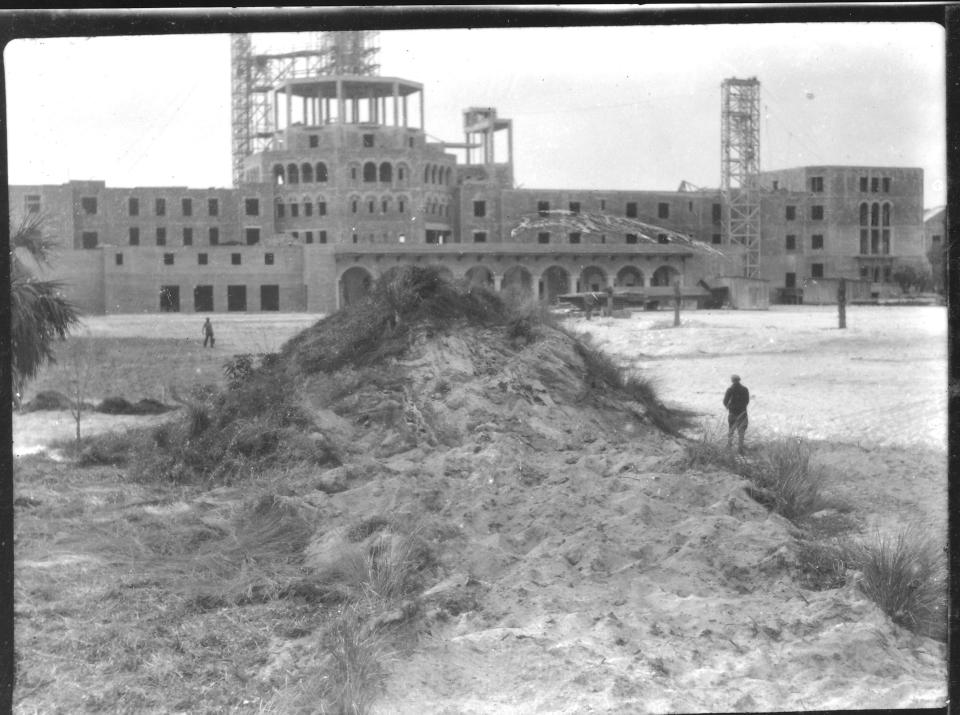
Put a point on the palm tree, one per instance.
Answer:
(38, 311)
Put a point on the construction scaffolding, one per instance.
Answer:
(740, 166)
(254, 76)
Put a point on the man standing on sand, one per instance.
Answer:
(208, 333)
(736, 400)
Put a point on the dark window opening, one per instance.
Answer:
(133, 206)
(253, 236)
(574, 237)
(321, 172)
(886, 184)
(543, 207)
(716, 239)
(308, 236)
(886, 274)
(479, 236)
(816, 213)
(134, 236)
(252, 207)
(322, 237)
(168, 259)
(201, 259)
(480, 208)
(874, 184)
(356, 238)
(160, 207)
(816, 184)
(865, 272)
(187, 236)
(863, 184)
(663, 210)
(632, 238)
(370, 206)
(386, 172)
(314, 141)
(236, 298)
(353, 206)
(307, 208)
(790, 280)
(294, 210)
(935, 240)
(32, 203)
(89, 205)
(236, 258)
(186, 205)
(203, 299)
(281, 210)
(663, 238)
(118, 259)
(170, 299)
(575, 207)
(791, 213)
(268, 259)
(543, 237)
(161, 236)
(213, 207)
(400, 206)
(369, 172)
(368, 140)
(631, 209)
(717, 212)
(214, 235)
(269, 297)
(321, 208)
(791, 242)
(816, 241)
(816, 270)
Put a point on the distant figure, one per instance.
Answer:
(609, 301)
(591, 302)
(208, 333)
(736, 400)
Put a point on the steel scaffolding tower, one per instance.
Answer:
(254, 76)
(740, 157)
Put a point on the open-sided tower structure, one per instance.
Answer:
(254, 77)
(740, 167)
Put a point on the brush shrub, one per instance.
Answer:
(906, 576)
(785, 476)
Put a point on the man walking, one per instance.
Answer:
(208, 333)
(736, 400)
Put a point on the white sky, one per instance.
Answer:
(593, 108)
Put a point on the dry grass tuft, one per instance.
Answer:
(906, 576)
(786, 479)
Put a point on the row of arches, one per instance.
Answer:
(436, 174)
(356, 281)
(369, 172)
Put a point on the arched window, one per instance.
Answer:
(293, 175)
(321, 171)
(354, 204)
(306, 173)
(371, 204)
(402, 203)
(864, 214)
(875, 214)
(886, 214)
(433, 174)
(401, 173)
(278, 175)
(446, 176)
(386, 172)
(307, 206)
(369, 172)
(280, 207)
(385, 204)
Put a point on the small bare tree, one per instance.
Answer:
(81, 362)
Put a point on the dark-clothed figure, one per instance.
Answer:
(208, 333)
(736, 400)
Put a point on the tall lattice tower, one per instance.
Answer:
(740, 160)
(254, 76)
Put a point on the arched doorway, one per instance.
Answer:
(630, 276)
(593, 279)
(517, 280)
(479, 276)
(664, 276)
(355, 283)
(555, 281)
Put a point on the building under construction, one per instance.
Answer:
(336, 182)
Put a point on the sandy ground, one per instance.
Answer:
(607, 580)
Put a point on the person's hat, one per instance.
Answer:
(735, 378)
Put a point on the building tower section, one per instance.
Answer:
(740, 166)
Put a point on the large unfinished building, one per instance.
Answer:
(336, 182)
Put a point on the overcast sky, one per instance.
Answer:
(593, 108)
